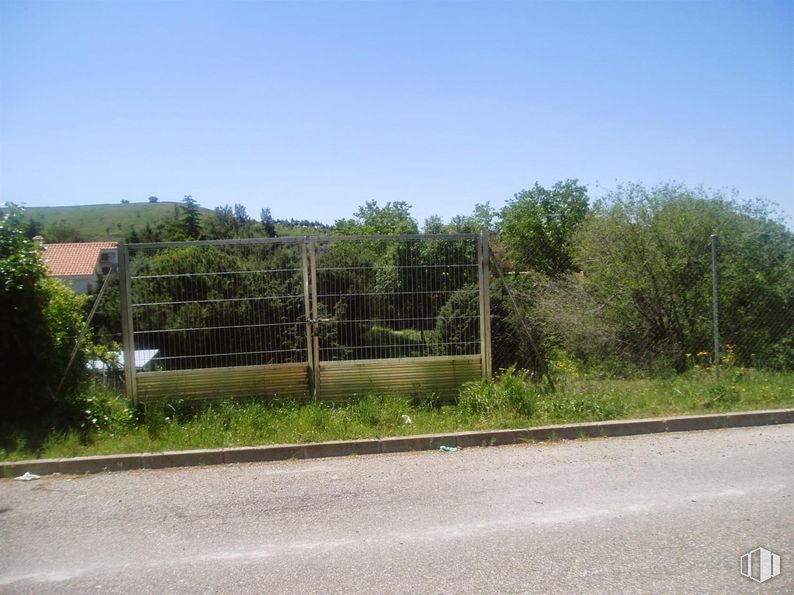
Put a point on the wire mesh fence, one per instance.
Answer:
(233, 305)
(651, 314)
(389, 298)
(755, 310)
(217, 305)
(354, 299)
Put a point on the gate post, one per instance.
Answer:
(310, 353)
(125, 285)
(484, 274)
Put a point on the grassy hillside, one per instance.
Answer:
(104, 222)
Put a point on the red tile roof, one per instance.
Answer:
(74, 259)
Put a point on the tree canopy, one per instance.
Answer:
(646, 257)
(538, 225)
(372, 219)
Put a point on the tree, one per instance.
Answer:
(538, 224)
(33, 228)
(153, 199)
(288, 227)
(59, 232)
(482, 219)
(646, 259)
(132, 236)
(372, 219)
(188, 223)
(124, 201)
(39, 321)
(229, 222)
(434, 224)
(268, 223)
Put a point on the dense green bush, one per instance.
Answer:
(457, 326)
(646, 258)
(205, 302)
(40, 319)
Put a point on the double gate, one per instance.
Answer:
(327, 317)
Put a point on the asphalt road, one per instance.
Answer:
(660, 513)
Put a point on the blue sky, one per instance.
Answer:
(312, 108)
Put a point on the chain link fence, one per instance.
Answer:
(650, 316)
(660, 313)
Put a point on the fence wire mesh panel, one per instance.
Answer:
(334, 316)
(203, 308)
(663, 307)
(514, 332)
(754, 305)
(397, 298)
(402, 299)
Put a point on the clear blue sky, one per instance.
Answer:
(311, 109)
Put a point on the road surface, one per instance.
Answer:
(659, 513)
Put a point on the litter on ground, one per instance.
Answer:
(28, 476)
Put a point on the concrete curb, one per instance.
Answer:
(341, 448)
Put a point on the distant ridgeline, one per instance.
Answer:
(156, 221)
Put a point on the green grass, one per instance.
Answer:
(109, 222)
(509, 402)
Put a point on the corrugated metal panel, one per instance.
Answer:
(419, 376)
(270, 381)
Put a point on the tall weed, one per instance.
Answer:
(510, 391)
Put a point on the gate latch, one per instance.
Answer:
(316, 322)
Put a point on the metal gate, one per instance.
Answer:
(327, 317)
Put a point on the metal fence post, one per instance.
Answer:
(127, 328)
(715, 305)
(310, 355)
(483, 257)
(315, 345)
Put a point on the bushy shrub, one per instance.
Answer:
(646, 257)
(509, 391)
(104, 410)
(458, 323)
(40, 319)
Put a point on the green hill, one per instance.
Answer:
(113, 222)
(100, 222)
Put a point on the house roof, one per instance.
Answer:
(79, 259)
